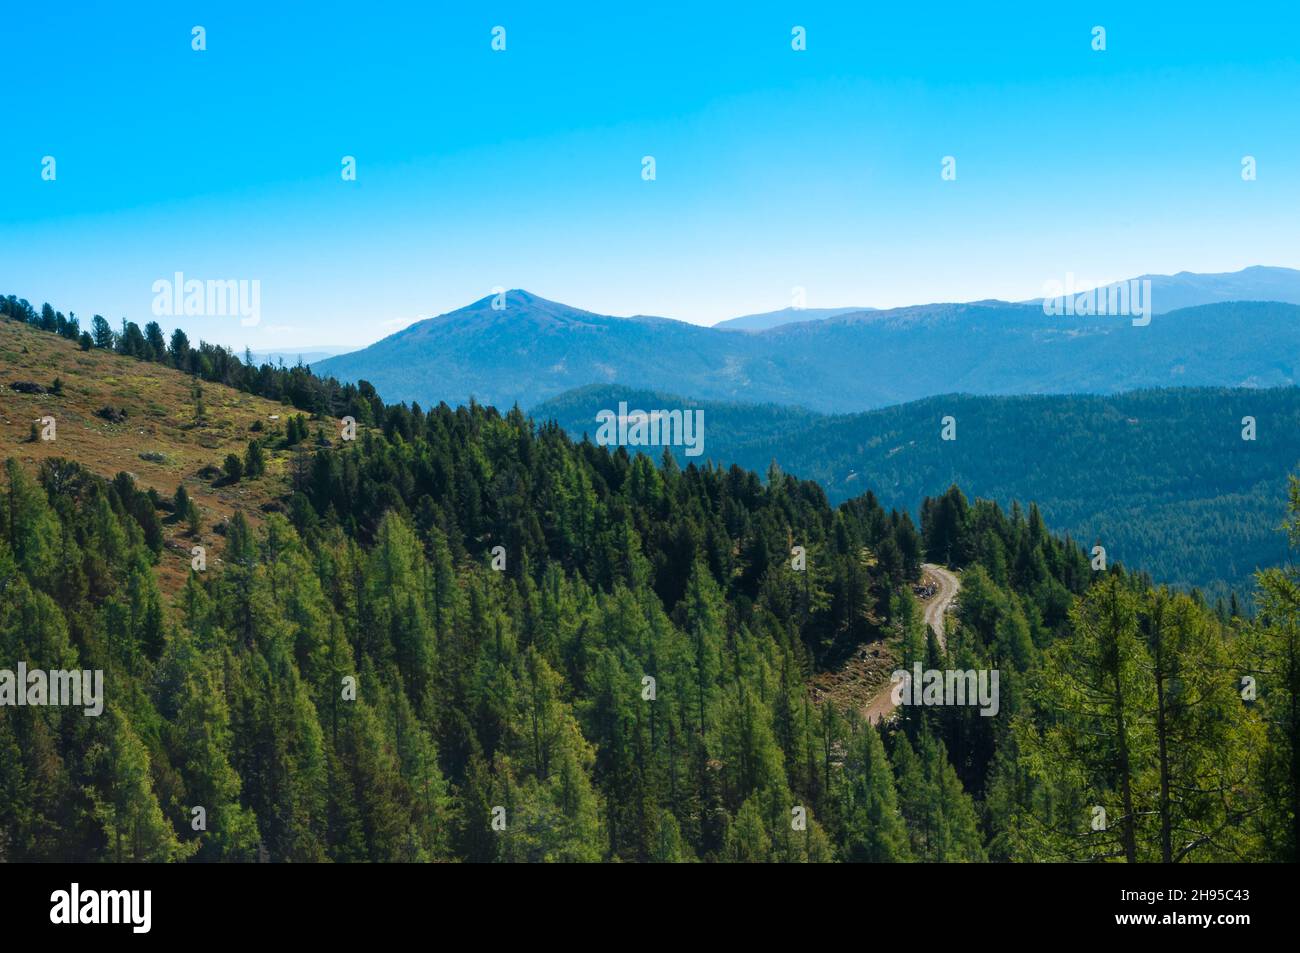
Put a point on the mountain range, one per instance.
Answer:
(533, 349)
(1188, 289)
(1169, 292)
(774, 319)
(291, 357)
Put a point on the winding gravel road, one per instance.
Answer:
(935, 609)
(938, 606)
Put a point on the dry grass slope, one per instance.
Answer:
(159, 442)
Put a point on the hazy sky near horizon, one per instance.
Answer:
(775, 169)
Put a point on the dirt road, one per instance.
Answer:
(947, 585)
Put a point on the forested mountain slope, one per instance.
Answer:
(468, 637)
(1163, 478)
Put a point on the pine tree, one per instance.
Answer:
(254, 460)
(875, 832)
(124, 804)
(1275, 648)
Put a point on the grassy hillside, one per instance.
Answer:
(1161, 477)
(160, 441)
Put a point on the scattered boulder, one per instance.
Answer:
(28, 387)
(114, 415)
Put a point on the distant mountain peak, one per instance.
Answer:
(521, 296)
(516, 307)
(514, 298)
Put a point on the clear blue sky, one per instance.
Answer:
(775, 168)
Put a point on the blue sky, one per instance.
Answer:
(775, 169)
